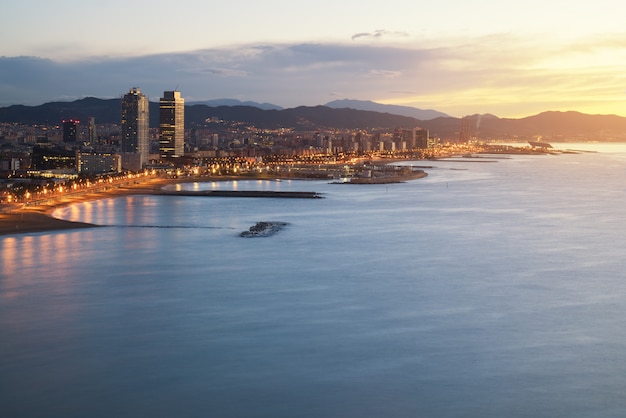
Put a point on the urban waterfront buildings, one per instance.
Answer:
(135, 125)
(172, 125)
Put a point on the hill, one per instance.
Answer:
(411, 112)
(552, 126)
(109, 110)
(105, 111)
(235, 102)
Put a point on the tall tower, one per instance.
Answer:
(70, 128)
(135, 124)
(93, 135)
(466, 133)
(172, 124)
(421, 138)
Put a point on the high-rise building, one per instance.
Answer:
(421, 138)
(466, 132)
(135, 124)
(93, 135)
(172, 124)
(406, 136)
(70, 129)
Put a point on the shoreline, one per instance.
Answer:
(38, 218)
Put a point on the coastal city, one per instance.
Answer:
(39, 162)
(335, 209)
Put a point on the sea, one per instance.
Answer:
(494, 287)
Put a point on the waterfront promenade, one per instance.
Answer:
(35, 216)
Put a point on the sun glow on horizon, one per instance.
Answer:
(488, 57)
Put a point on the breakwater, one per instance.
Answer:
(240, 193)
(263, 229)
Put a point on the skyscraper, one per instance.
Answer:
(135, 124)
(70, 128)
(172, 124)
(93, 135)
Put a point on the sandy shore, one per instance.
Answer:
(38, 218)
(20, 219)
(24, 221)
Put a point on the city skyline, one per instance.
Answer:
(508, 59)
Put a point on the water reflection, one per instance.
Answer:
(500, 293)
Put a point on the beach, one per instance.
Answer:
(20, 219)
(37, 216)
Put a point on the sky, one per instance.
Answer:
(510, 59)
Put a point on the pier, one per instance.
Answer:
(240, 193)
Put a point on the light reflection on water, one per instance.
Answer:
(482, 290)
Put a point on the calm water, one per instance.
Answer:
(487, 289)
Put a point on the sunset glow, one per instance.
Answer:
(508, 59)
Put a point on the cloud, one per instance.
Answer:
(455, 76)
(384, 73)
(361, 35)
(221, 72)
(379, 34)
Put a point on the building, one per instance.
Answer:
(135, 124)
(70, 130)
(131, 161)
(97, 163)
(422, 138)
(93, 134)
(466, 132)
(172, 125)
(411, 138)
(52, 158)
(406, 136)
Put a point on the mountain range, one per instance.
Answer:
(551, 125)
(411, 112)
(234, 102)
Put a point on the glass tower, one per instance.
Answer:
(172, 125)
(135, 124)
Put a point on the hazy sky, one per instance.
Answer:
(511, 59)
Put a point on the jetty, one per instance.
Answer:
(240, 193)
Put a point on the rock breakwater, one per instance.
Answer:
(264, 229)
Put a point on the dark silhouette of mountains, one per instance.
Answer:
(105, 111)
(551, 125)
(412, 112)
(235, 102)
(109, 111)
(302, 117)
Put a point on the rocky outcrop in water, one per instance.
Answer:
(263, 229)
